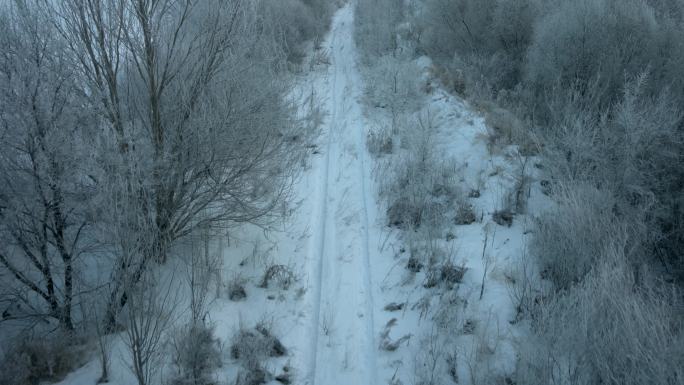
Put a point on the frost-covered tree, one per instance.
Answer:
(194, 114)
(295, 22)
(488, 37)
(131, 124)
(44, 183)
(375, 24)
(582, 40)
(188, 110)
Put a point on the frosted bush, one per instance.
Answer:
(396, 84)
(569, 239)
(606, 330)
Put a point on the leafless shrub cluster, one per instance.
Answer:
(294, 22)
(570, 239)
(598, 105)
(452, 81)
(35, 359)
(422, 191)
(607, 329)
(430, 362)
(147, 319)
(394, 83)
(196, 355)
(595, 83)
(376, 25)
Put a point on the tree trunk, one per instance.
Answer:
(119, 295)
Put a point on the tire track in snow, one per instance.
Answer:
(318, 241)
(343, 282)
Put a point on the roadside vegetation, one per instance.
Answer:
(591, 90)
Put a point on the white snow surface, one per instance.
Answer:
(349, 264)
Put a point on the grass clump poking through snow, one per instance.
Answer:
(465, 214)
(251, 348)
(386, 342)
(380, 142)
(503, 217)
(404, 213)
(420, 189)
(236, 288)
(281, 275)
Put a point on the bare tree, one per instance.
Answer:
(148, 317)
(44, 191)
(194, 112)
(92, 309)
(200, 266)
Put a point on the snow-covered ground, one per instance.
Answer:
(342, 330)
(349, 265)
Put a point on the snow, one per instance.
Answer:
(460, 134)
(349, 265)
(343, 350)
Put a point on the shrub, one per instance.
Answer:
(579, 41)
(487, 39)
(414, 264)
(606, 330)
(503, 124)
(254, 345)
(197, 355)
(460, 26)
(251, 347)
(465, 214)
(446, 274)
(380, 142)
(503, 217)
(631, 152)
(296, 21)
(280, 274)
(422, 191)
(31, 361)
(426, 195)
(644, 150)
(395, 83)
(453, 80)
(375, 27)
(404, 214)
(236, 288)
(569, 239)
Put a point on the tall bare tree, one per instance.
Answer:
(42, 194)
(134, 123)
(189, 96)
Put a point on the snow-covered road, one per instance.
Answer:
(343, 347)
